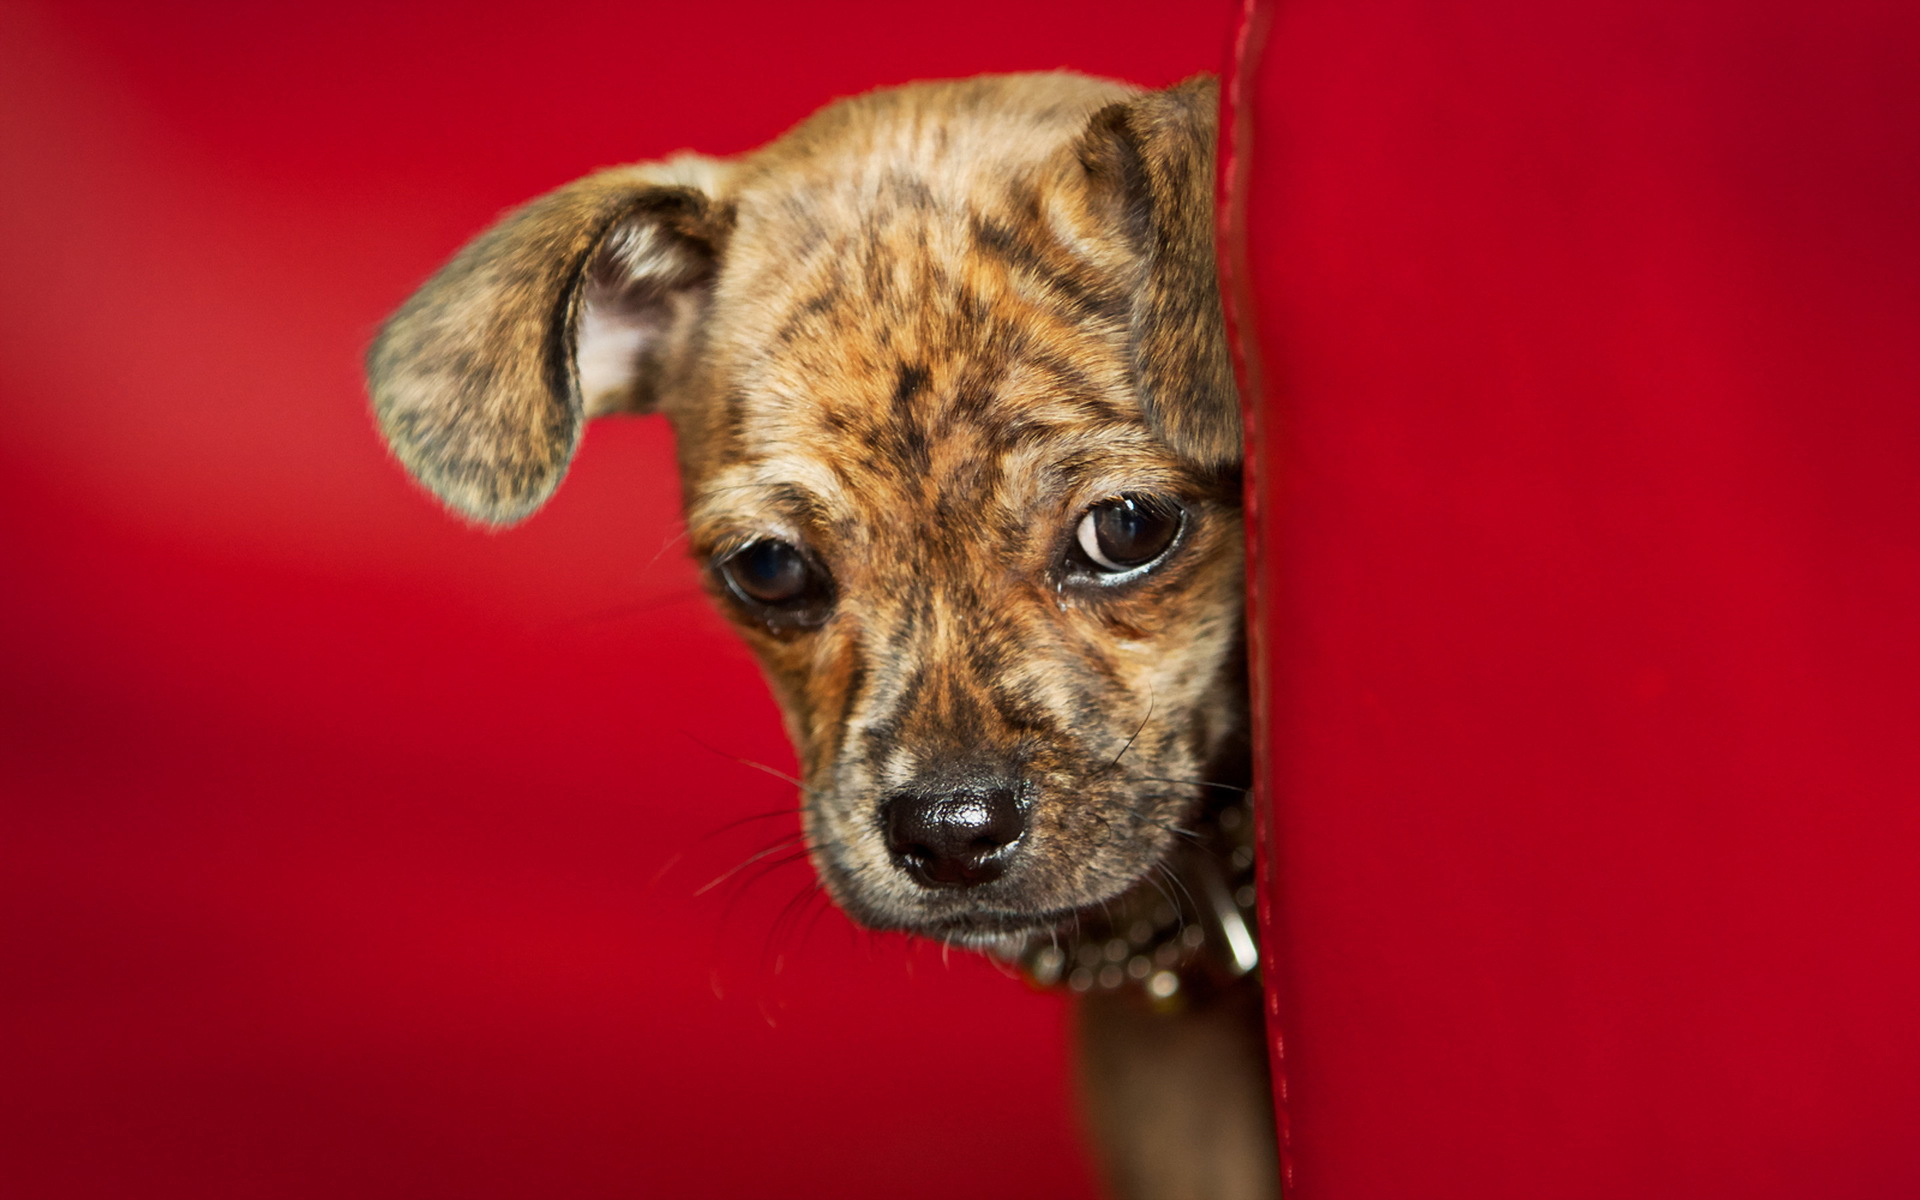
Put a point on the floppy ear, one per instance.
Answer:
(1149, 163)
(583, 302)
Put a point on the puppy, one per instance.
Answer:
(959, 450)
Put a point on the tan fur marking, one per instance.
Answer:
(917, 340)
(919, 336)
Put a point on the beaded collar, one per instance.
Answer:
(1192, 932)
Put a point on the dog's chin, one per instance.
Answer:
(986, 920)
(989, 930)
(974, 925)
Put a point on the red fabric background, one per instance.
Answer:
(348, 852)
(1592, 551)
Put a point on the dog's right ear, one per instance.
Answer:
(1150, 162)
(583, 302)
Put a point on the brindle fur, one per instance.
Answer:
(919, 336)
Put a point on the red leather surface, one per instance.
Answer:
(1593, 565)
(348, 852)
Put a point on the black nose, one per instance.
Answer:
(953, 839)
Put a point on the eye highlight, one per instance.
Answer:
(778, 582)
(1123, 537)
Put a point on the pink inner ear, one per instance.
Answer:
(628, 311)
(609, 346)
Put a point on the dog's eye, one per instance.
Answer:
(773, 575)
(1126, 534)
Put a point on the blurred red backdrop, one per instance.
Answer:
(346, 850)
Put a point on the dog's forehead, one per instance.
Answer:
(936, 380)
(909, 334)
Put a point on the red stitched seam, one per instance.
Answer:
(1235, 290)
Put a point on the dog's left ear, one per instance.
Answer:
(583, 302)
(1150, 164)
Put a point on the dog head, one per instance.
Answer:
(959, 450)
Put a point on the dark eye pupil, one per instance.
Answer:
(770, 572)
(1130, 532)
